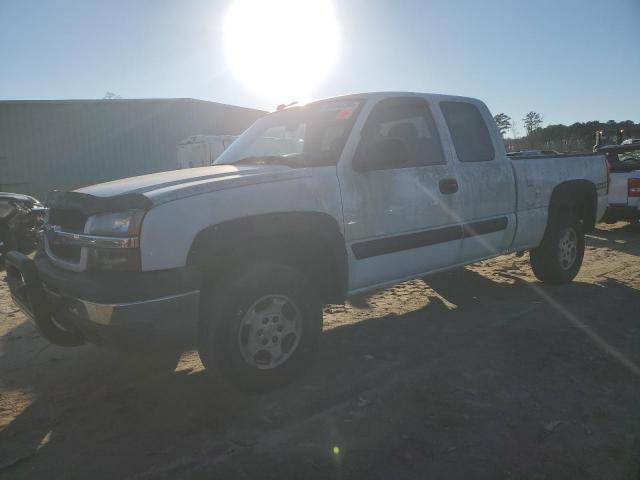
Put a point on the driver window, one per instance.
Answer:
(410, 121)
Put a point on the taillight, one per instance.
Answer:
(633, 187)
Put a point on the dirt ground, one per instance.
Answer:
(479, 373)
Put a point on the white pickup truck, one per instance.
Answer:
(624, 188)
(360, 192)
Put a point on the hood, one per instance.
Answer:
(167, 186)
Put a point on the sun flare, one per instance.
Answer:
(281, 49)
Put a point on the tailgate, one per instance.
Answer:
(618, 188)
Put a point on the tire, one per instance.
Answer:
(559, 258)
(58, 331)
(261, 328)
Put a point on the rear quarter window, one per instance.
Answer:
(469, 132)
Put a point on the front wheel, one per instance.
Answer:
(260, 328)
(559, 258)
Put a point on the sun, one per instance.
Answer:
(281, 49)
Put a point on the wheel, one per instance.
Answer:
(559, 258)
(23, 276)
(261, 327)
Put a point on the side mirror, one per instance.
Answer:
(383, 154)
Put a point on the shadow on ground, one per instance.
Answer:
(622, 237)
(487, 379)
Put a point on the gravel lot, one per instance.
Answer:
(478, 373)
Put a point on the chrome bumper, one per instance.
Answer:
(163, 319)
(132, 313)
(132, 325)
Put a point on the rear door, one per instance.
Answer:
(487, 182)
(400, 221)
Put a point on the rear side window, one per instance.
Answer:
(469, 132)
(410, 120)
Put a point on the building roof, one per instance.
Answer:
(114, 101)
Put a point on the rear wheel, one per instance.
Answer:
(261, 327)
(559, 258)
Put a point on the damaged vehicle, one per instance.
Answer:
(311, 205)
(21, 217)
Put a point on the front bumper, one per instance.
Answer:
(131, 311)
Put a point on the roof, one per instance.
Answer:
(114, 101)
(383, 94)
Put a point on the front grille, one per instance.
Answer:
(71, 221)
(68, 220)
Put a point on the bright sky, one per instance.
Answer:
(571, 60)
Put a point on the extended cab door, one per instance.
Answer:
(400, 219)
(487, 183)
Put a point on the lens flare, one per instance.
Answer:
(281, 49)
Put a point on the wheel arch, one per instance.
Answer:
(579, 196)
(308, 240)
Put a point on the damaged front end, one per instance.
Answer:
(21, 218)
(86, 284)
(84, 232)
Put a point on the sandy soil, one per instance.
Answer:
(478, 373)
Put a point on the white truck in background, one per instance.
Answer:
(202, 150)
(311, 205)
(624, 190)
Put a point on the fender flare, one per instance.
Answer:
(576, 193)
(303, 231)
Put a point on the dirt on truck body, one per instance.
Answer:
(478, 373)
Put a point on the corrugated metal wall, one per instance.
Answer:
(70, 144)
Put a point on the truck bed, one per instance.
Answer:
(537, 176)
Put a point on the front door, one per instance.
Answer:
(400, 220)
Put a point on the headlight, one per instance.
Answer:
(120, 224)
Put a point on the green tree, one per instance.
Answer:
(111, 96)
(577, 137)
(532, 121)
(503, 121)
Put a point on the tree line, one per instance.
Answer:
(578, 137)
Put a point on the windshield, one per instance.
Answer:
(298, 136)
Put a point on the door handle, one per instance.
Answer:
(448, 185)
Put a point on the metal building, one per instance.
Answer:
(67, 144)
